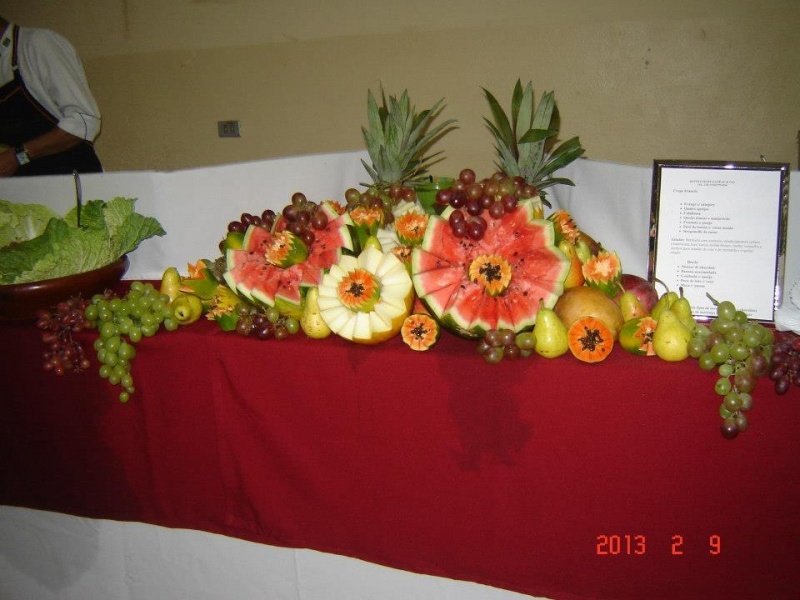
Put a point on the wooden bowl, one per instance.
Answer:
(24, 300)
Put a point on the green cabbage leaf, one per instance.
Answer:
(108, 231)
(21, 222)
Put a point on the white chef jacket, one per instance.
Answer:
(54, 75)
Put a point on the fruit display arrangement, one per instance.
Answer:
(489, 262)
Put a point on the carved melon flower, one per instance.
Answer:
(197, 270)
(410, 227)
(603, 271)
(366, 298)
(565, 226)
(223, 302)
(407, 231)
(369, 217)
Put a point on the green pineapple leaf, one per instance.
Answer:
(398, 138)
(525, 143)
(533, 136)
(500, 126)
(562, 156)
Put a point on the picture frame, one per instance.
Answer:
(718, 232)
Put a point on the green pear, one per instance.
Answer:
(631, 306)
(683, 309)
(551, 334)
(666, 300)
(671, 337)
(311, 321)
(583, 250)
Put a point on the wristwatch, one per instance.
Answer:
(23, 158)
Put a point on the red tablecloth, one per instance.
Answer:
(548, 477)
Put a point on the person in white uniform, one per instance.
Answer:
(49, 118)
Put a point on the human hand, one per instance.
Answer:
(8, 163)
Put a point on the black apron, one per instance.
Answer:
(22, 118)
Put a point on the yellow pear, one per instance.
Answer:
(170, 283)
(551, 334)
(671, 337)
(311, 321)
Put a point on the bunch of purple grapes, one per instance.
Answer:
(474, 201)
(63, 353)
(266, 324)
(265, 220)
(785, 364)
(303, 217)
(498, 344)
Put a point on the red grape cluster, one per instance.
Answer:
(58, 324)
(266, 220)
(303, 217)
(474, 200)
(498, 344)
(785, 364)
(265, 325)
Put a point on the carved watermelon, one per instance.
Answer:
(251, 272)
(472, 286)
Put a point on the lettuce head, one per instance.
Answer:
(108, 231)
(22, 222)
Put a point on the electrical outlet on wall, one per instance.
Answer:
(228, 129)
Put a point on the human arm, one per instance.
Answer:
(52, 142)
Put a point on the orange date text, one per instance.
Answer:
(636, 545)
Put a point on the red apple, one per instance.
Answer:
(641, 288)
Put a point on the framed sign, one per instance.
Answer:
(719, 229)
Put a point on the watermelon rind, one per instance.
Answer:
(440, 266)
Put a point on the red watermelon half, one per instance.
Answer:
(440, 270)
(249, 274)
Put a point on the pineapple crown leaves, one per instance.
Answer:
(398, 137)
(526, 143)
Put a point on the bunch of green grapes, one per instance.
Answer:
(740, 350)
(122, 322)
(498, 344)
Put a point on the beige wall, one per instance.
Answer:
(635, 79)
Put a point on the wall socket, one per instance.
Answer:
(228, 129)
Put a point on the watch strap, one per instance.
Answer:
(23, 158)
